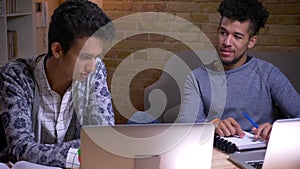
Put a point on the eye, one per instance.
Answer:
(238, 37)
(222, 33)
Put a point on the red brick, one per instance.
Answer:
(184, 15)
(209, 28)
(157, 37)
(131, 44)
(141, 37)
(150, 7)
(111, 63)
(182, 7)
(286, 41)
(289, 49)
(266, 40)
(208, 7)
(291, 30)
(290, 8)
(119, 6)
(118, 14)
(199, 17)
(121, 54)
(212, 37)
(284, 19)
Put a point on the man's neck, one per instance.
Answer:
(56, 79)
(241, 62)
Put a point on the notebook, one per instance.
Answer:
(235, 143)
(283, 150)
(147, 146)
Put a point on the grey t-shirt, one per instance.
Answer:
(254, 88)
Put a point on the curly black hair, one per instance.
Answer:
(244, 10)
(75, 19)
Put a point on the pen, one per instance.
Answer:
(249, 118)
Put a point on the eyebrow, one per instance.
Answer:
(236, 33)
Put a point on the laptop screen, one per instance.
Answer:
(283, 150)
(164, 146)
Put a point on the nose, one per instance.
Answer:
(90, 66)
(227, 40)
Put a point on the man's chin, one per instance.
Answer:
(226, 62)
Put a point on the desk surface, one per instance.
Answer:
(219, 161)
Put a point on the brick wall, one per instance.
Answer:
(282, 33)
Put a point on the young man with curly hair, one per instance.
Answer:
(43, 99)
(252, 86)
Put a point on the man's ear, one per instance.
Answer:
(56, 50)
(252, 42)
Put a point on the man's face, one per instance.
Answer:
(79, 61)
(233, 41)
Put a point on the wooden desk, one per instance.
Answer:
(219, 161)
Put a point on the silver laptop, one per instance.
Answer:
(283, 150)
(153, 146)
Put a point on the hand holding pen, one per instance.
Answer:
(260, 132)
(263, 132)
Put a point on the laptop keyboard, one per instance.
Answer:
(256, 164)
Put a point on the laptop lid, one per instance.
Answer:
(283, 149)
(152, 146)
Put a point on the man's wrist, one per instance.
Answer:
(73, 158)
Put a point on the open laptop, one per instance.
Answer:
(283, 150)
(150, 146)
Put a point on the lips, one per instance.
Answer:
(226, 52)
(84, 75)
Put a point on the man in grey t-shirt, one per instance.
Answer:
(253, 86)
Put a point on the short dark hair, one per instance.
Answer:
(75, 19)
(244, 10)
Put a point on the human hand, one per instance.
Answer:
(262, 132)
(229, 127)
